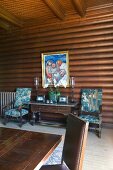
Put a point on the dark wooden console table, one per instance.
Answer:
(53, 114)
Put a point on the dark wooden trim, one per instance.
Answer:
(6, 15)
(4, 25)
(80, 7)
(56, 7)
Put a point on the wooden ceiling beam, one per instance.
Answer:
(80, 7)
(4, 14)
(56, 7)
(4, 25)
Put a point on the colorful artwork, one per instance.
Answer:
(55, 69)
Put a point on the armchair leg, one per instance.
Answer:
(20, 125)
(33, 119)
(20, 122)
(100, 129)
(5, 120)
(99, 134)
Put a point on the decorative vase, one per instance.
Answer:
(52, 96)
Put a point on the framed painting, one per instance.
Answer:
(55, 69)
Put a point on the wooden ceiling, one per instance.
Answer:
(26, 12)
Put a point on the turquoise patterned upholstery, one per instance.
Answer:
(91, 102)
(16, 112)
(22, 98)
(90, 119)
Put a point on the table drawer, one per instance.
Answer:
(51, 109)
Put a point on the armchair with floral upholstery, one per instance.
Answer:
(91, 108)
(21, 106)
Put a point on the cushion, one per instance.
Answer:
(91, 99)
(23, 96)
(90, 119)
(16, 112)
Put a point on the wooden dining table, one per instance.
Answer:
(25, 150)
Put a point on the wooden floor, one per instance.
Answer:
(99, 152)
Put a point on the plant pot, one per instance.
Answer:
(52, 96)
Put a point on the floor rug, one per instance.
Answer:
(56, 156)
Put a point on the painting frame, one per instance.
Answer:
(55, 69)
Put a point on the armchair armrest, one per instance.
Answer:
(100, 113)
(7, 105)
(23, 106)
(78, 108)
(19, 108)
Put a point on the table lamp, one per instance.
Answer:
(36, 83)
(72, 84)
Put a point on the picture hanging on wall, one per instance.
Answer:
(55, 69)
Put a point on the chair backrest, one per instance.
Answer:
(75, 141)
(91, 100)
(23, 96)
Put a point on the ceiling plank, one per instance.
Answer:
(56, 7)
(4, 14)
(80, 7)
(4, 25)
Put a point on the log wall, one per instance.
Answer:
(90, 44)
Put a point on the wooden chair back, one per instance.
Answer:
(75, 142)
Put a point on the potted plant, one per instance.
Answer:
(54, 94)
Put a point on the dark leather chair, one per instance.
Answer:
(74, 145)
(91, 108)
